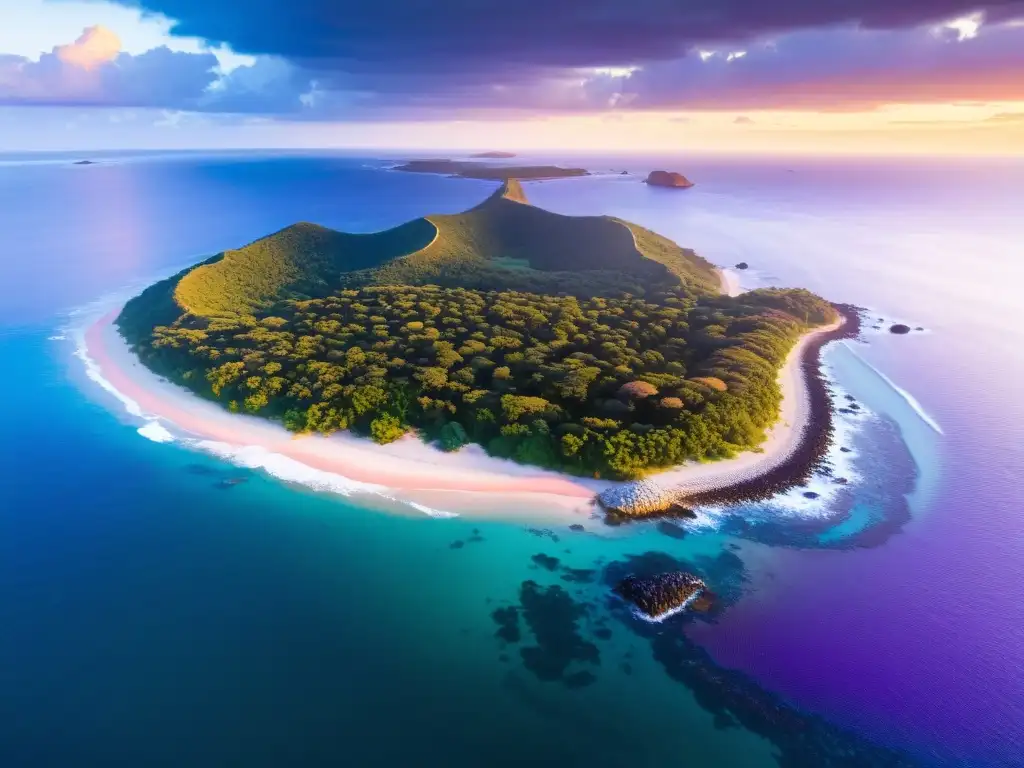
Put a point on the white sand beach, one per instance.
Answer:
(426, 479)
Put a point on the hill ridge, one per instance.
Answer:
(503, 241)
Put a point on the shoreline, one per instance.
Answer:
(729, 282)
(424, 480)
(808, 439)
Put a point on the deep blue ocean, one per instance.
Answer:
(152, 615)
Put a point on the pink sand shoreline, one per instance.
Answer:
(410, 471)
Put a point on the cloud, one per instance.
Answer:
(97, 45)
(393, 60)
(446, 36)
(844, 68)
(93, 71)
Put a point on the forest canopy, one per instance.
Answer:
(585, 344)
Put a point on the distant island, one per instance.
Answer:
(587, 344)
(495, 155)
(84, 162)
(668, 179)
(471, 170)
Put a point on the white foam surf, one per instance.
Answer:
(817, 498)
(431, 512)
(95, 374)
(155, 431)
(669, 613)
(284, 468)
(909, 398)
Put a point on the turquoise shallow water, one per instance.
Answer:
(153, 616)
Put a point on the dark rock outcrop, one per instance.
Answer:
(658, 595)
(743, 265)
(899, 329)
(668, 179)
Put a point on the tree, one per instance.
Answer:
(386, 428)
(452, 436)
(514, 407)
(432, 378)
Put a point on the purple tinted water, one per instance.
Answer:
(918, 641)
(923, 635)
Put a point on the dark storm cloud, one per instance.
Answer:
(453, 36)
(834, 69)
(421, 59)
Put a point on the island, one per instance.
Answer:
(668, 179)
(471, 170)
(657, 597)
(587, 345)
(493, 155)
(84, 162)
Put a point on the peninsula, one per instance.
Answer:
(588, 345)
(467, 169)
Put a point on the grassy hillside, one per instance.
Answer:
(303, 260)
(502, 242)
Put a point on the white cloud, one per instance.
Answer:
(617, 72)
(95, 46)
(966, 27)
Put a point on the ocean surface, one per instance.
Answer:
(163, 607)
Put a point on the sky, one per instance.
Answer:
(788, 76)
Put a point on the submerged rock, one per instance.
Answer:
(673, 531)
(658, 596)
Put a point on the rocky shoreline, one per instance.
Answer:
(645, 499)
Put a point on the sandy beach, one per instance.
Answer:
(427, 480)
(729, 281)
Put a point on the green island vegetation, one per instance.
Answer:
(469, 169)
(584, 344)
